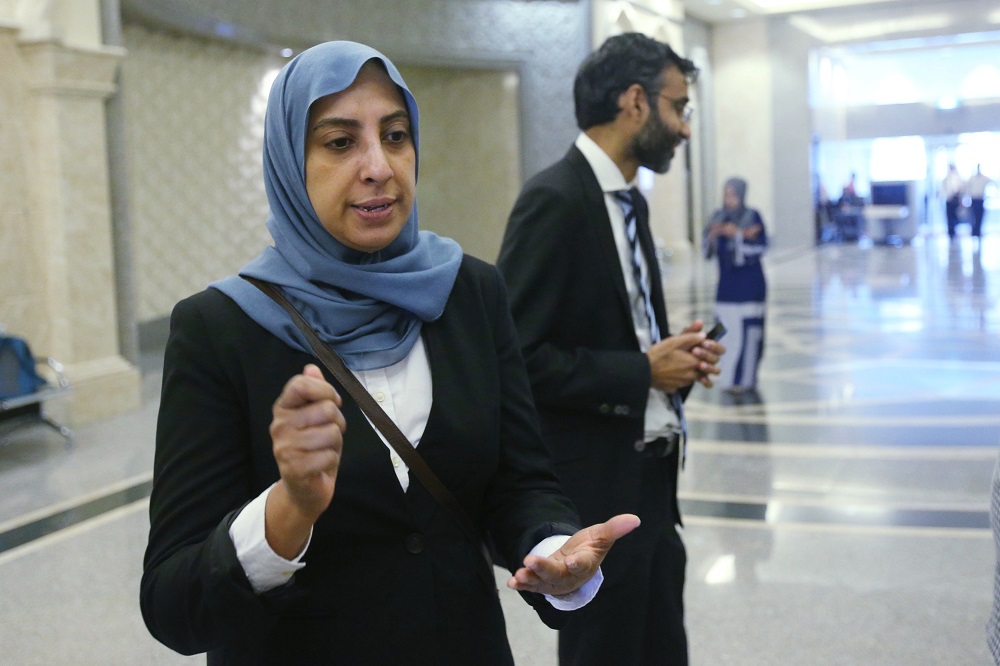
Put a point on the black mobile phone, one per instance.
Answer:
(716, 331)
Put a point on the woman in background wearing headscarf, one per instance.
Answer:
(735, 234)
(283, 529)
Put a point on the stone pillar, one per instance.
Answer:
(763, 125)
(745, 113)
(67, 214)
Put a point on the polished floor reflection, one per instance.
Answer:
(838, 515)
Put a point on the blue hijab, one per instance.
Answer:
(368, 307)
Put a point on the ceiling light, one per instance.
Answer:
(775, 6)
(871, 30)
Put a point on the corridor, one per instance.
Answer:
(836, 516)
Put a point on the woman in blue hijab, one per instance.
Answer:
(736, 235)
(283, 528)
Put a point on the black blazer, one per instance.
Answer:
(390, 577)
(590, 380)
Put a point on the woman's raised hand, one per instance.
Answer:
(307, 433)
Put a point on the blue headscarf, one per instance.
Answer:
(368, 307)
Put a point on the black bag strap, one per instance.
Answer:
(397, 440)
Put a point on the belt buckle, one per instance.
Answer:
(661, 447)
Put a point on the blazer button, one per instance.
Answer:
(414, 543)
(604, 409)
(621, 410)
(639, 446)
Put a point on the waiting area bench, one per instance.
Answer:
(23, 410)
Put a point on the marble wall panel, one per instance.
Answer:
(546, 39)
(469, 153)
(194, 113)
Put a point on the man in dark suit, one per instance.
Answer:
(607, 378)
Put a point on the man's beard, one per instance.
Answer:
(654, 145)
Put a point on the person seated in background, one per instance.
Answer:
(283, 529)
(847, 214)
(849, 197)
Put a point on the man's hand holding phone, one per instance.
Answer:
(685, 358)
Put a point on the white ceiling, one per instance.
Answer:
(840, 21)
(714, 11)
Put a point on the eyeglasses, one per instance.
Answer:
(682, 107)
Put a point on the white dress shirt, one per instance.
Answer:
(953, 185)
(976, 187)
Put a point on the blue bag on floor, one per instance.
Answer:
(18, 372)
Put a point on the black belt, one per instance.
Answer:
(661, 447)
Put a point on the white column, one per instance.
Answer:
(57, 248)
(763, 123)
(744, 111)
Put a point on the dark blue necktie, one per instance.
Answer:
(627, 200)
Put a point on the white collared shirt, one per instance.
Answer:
(660, 418)
(953, 185)
(976, 187)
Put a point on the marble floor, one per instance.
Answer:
(836, 516)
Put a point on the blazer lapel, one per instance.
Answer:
(600, 224)
(421, 503)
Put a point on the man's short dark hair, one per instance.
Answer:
(622, 61)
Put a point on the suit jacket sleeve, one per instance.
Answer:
(576, 334)
(202, 471)
(525, 503)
